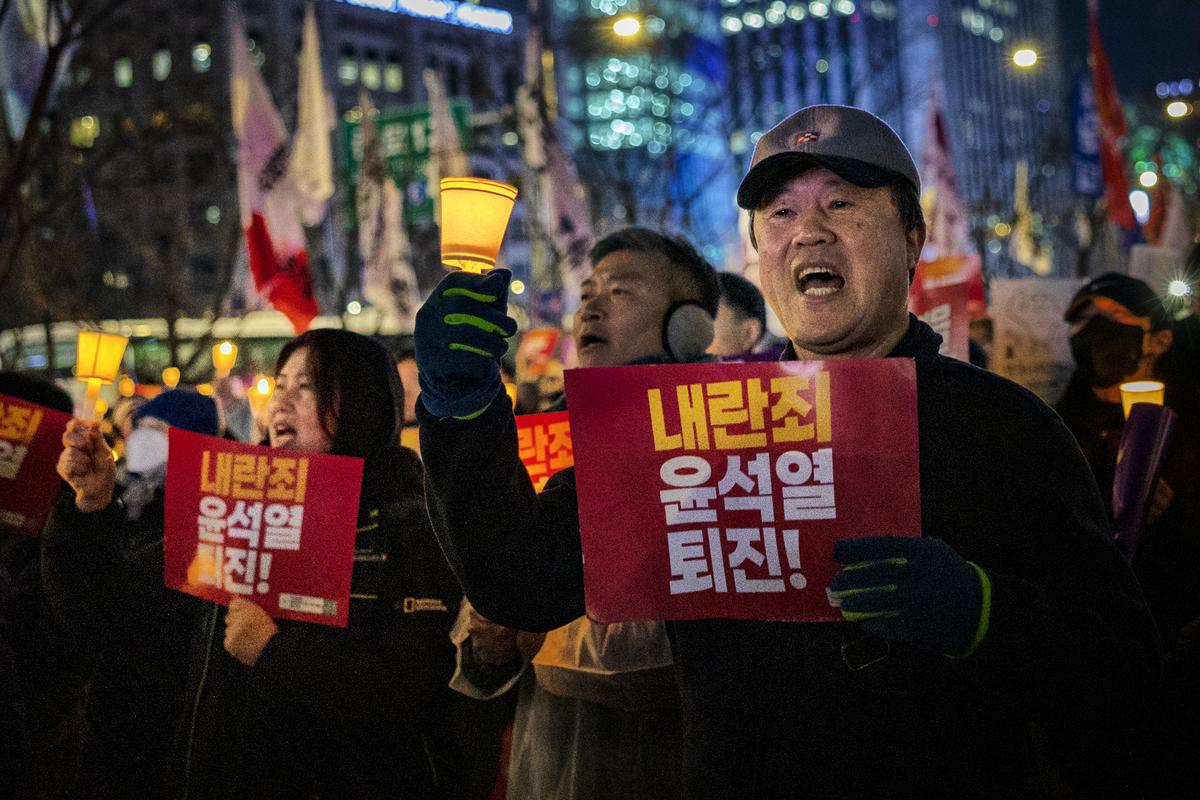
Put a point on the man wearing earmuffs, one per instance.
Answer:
(1008, 642)
(598, 714)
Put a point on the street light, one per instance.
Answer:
(1177, 109)
(1148, 179)
(1025, 57)
(627, 26)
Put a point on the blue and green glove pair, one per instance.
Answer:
(915, 590)
(459, 341)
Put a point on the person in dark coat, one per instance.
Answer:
(278, 709)
(51, 680)
(102, 572)
(1120, 332)
(577, 715)
(1013, 622)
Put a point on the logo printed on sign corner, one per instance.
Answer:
(414, 604)
(806, 137)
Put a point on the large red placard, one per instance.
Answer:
(273, 526)
(718, 490)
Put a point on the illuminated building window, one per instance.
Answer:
(371, 75)
(123, 72)
(201, 57)
(84, 131)
(160, 64)
(348, 67)
(393, 77)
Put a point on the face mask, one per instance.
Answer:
(1106, 352)
(145, 449)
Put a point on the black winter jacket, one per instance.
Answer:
(773, 710)
(325, 712)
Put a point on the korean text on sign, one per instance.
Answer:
(544, 445)
(18, 425)
(734, 415)
(30, 443)
(250, 506)
(704, 556)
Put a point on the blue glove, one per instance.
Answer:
(913, 590)
(459, 339)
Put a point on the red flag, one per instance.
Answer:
(1112, 128)
(269, 200)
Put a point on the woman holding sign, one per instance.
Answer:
(286, 709)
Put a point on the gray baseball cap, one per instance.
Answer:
(855, 144)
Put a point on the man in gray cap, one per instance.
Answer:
(1013, 612)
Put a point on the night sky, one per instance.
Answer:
(1147, 41)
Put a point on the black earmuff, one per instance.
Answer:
(687, 331)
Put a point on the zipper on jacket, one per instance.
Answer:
(187, 762)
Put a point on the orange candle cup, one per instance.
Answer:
(1141, 392)
(475, 214)
(98, 359)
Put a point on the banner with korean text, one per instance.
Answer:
(944, 308)
(30, 443)
(273, 526)
(544, 445)
(718, 490)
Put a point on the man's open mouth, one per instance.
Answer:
(819, 282)
(589, 339)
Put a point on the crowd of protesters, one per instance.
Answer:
(1012, 650)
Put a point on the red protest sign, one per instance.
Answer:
(544, 445)
(30, 444)
(944, 308)
(273, 526)
(718, 490)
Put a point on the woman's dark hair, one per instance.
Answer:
(360, 401)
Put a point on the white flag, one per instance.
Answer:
(267, 198)
(388, 280)
(312, 157)
(1021, 247)
(446, 156)
(563, 213)
(945, 217)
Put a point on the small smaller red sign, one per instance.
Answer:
(544, 445)
(30, 444)
(273, 526)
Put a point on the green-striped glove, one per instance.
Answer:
(916, 590)
(459, 339)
